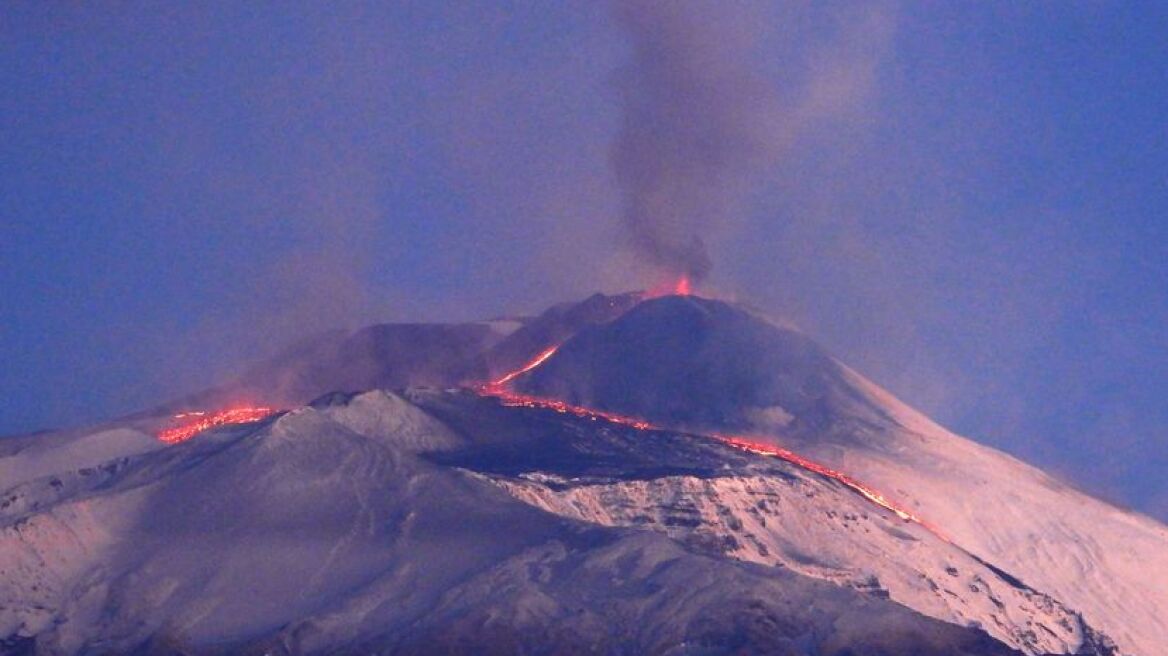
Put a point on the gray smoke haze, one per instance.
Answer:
(692, 127)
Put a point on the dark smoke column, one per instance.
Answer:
(690, 130)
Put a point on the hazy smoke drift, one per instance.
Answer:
(690, 130)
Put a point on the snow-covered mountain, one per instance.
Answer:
(625, 495)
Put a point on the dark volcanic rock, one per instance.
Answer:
(556, 325)
(702, 363)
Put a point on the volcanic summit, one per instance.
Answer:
(626, 474)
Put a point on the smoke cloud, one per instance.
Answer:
(692, 128)
(715, 98)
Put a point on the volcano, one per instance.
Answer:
(689, 361)
(628, 474)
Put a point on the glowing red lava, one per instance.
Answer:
(683, 286)
(514, 399)
(499, 389)
(501, 383)
(868, 493)
(195, 422)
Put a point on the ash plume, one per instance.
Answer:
(690, 129)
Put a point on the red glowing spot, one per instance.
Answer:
(195, 422)
(683, 286)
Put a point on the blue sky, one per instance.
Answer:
(965, 202)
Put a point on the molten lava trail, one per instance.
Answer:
(195, 422)
(535, 362)
(500, 389)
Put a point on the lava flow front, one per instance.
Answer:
(194, 422)
(500, 389)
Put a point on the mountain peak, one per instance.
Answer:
(702, 363)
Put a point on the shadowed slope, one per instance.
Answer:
(705, 364)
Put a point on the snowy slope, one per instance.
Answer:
(820, 533)
(442, 519)
(712, 366)
(1110, 563)
(759, 509)
(345, 526)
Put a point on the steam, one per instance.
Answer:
(693, 127)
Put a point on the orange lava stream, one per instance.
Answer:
(514, 399)
(507, 397)
(535, 362)
(868, 493)
(201, 421)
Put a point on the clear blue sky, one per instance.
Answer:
(969, 205)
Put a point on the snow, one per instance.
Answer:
(710, 366)
(1109, 564)
(820, 529)
(324, 530)
(46, 456)
(382, 521)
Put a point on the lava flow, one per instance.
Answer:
(195, 422)
(501, 384)
(500, 390)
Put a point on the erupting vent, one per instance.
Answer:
(683, 286)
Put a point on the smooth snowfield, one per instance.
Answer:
(1109, 563)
